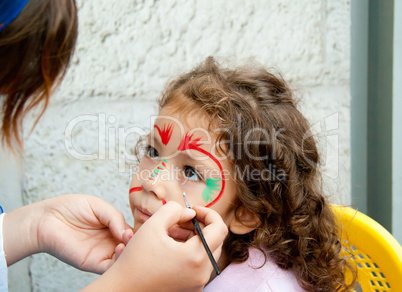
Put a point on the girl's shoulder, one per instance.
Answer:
(254, 275)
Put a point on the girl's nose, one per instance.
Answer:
(162, 182)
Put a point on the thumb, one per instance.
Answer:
(169, 215)
(110, 217)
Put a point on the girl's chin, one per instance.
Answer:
(137, 226)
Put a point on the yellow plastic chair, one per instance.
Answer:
(378, 255)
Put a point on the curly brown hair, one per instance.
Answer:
(35, 49)
(297, 226)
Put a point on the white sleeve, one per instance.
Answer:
(3, 263)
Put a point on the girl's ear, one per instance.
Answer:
(245, 221)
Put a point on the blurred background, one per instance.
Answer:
(342, 58)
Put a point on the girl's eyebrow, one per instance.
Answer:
(204, 161)
(201, 163)
(154, 139)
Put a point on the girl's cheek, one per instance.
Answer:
(144, 170)
(146, 163)
(194, 193)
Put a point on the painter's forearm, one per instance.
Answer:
(112, 281)
(20, 233)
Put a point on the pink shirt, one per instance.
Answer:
(247, 277)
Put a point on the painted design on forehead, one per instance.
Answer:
(208, 191)
(165, 133)
(135, 189)
(157, 170)
(188, 143)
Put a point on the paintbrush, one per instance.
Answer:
(204, 242)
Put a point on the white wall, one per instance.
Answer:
(126, 52)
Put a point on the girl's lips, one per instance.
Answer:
(145, 211)
(143, 214)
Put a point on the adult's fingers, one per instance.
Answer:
(104, 265)
(127, 235)
(178, 233)
(215, 229)
(170, 214)
(109, 216)
(118, 250)
(187, 225)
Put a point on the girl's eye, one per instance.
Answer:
(152, 152)
(191, 174)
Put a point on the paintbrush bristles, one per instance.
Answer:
(185, 201)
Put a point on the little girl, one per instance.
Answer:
(234, 141)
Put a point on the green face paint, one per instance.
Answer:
(212, 185)
(158, 169)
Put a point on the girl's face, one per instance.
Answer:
(181, 156)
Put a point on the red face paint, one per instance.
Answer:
(165, 133)
(135, 189)
(155, 173)
(187, 143)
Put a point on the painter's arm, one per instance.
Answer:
(153, 261)
(68, 227)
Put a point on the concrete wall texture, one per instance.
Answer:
(126, 52)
